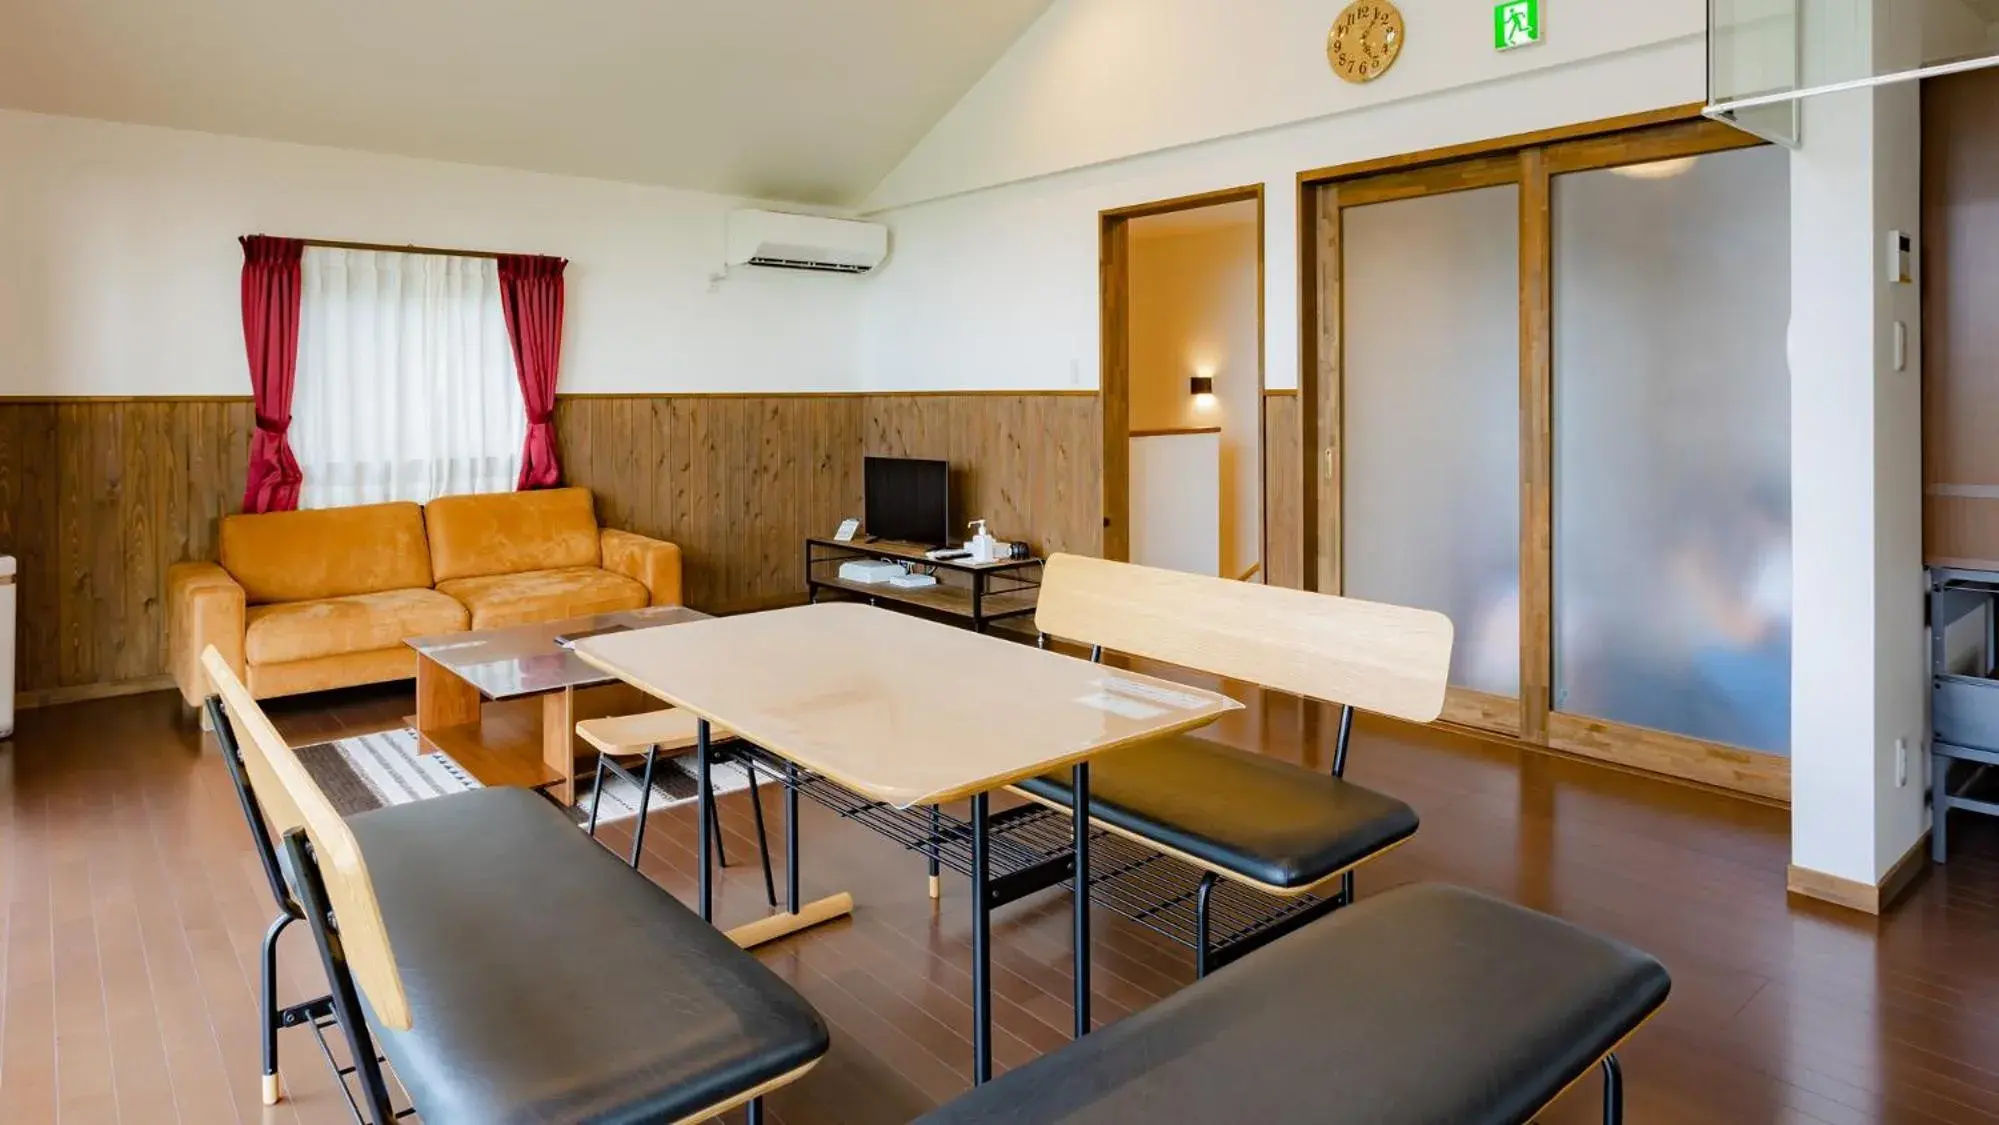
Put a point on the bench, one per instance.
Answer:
(510, 969)
(1423, 1005)
(1277, 826)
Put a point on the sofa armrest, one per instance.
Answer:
(652, 562)
(204, 607)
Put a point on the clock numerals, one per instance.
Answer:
(1365, 41)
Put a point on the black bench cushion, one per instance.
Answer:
(549, 982)
(1266, 820)
(1425, 1005)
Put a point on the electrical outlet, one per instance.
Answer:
(1901, 762)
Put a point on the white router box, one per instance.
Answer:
(873, 572)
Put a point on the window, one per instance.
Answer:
(406, 388)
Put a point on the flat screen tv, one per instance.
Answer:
(908, 499)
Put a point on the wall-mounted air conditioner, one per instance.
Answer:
(805, 242)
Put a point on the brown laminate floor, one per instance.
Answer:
(131, 908)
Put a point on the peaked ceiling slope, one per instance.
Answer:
(806, 100)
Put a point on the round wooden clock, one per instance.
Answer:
(1365, 41)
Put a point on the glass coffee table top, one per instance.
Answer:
(525, 660)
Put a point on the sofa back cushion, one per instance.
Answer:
(326, 553)
(509, 532)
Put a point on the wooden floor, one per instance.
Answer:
(133, 908)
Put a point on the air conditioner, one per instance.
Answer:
(805, 242)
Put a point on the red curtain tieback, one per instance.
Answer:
(273, 426)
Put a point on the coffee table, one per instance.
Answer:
(504, 703)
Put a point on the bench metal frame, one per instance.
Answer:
(273, 1017)
(1296, 907)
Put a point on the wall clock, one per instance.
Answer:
(1365, 41)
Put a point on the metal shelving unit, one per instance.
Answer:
(1964, 706)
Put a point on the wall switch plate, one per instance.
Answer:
(1901, 762)
(1901, 258)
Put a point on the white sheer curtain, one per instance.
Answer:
(406, 384)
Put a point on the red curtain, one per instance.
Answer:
(531, 294)
(272, 281)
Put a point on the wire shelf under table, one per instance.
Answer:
(1156, 890)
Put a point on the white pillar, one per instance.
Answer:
(1857, 665)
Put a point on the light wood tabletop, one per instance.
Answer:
(902, 710)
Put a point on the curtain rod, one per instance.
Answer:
(330, 244)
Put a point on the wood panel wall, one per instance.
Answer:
(737, 482)
(1027, 464)
(97, 499)
(1960, 266)
(1283, 491)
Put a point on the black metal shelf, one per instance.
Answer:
(1151, 888)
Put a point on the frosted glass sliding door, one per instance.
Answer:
(1672, 528)
(1430, 502)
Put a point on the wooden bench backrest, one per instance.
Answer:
(291, 799)
(1388, 659)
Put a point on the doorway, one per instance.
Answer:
(1182, 396)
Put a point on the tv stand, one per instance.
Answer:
(967, 592)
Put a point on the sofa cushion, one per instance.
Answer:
(276, 634)
(509, 532)
(325, 553)
(544, 595)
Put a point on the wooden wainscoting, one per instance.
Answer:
(1028, 464)
(737, 482)
(1283, 491)
(97, 498)
(740, 481)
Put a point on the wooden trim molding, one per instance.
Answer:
(1176, 432)
(1066, 392)
(1669, 115)
(1673, 755)
(1273, 392)
(1241, 194)
(81, 693)
(69, 400)
(1864, 897)
(1482, 711)
(1537, 445)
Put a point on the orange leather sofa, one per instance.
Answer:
(311, 600)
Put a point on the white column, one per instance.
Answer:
(1857, 679)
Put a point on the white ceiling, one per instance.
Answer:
(806, 100)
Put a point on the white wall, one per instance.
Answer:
(119, 268)
(1100, 80)
(1176, 502)
(1857, 666)
(1193, 311)
(997, 289)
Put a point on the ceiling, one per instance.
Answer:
(812, 101)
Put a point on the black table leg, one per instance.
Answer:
(706, 804)
(982, 954)
(1079, 785)
(791, 902)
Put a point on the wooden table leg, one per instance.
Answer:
(442, 699)
(558, 742)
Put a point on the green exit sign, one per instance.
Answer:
(1516, 23)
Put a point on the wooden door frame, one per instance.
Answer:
(1530, 161)
(1114, 370)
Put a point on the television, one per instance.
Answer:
(908, 499)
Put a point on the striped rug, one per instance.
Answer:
(370, 771)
